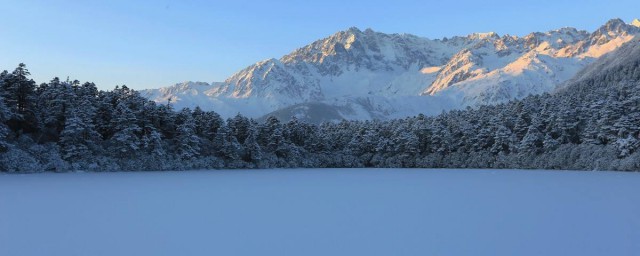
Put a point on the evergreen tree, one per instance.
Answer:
(503, 140)
(532, 141)
(72, 142)
(151, 142)
(227, 146)
(55, 100)
(252, 150)
(19, 89)
(125, 142)
(239, 127)
(4, 130)
(187, 143)
(18, 92)
(549, 143)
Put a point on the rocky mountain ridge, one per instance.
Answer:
(368, 74)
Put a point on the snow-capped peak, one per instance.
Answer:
(615, 27)
(368, 74)
(191, 86)
(636, 22)
(485, 35)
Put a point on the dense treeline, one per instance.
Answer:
(66, 125)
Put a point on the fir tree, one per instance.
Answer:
(187, 143)
(252, 150)
(125, 142)
(4, 130)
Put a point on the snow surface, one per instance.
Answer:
(321, 212)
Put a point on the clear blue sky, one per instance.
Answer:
(149, 44)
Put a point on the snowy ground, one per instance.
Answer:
(321, 212)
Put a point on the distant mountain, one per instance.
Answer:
(356, 74)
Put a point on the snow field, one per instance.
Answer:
(321, 212)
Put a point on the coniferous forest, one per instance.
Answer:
(63, 125)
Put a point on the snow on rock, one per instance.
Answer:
(596, 51)
(189, 92)
(430, 70)
(625, 54)
(355, 67)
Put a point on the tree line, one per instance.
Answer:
(66, 125)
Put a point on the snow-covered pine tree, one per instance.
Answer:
(532, 142)
(252, 150)
(549, 143)
(18, 91)
(404, 140)
(151, 138)
(503, 140)
(201, 121)
(405, 145)
(186, 142)
(4, 130)
(239, 127)
(151, 142)
(55, 101)
(591, 130)
(125, 142)
(72, 140)
(271, 137)
(226, 145)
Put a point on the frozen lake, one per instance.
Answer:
(321, 212)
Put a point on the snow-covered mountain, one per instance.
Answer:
(367, 74)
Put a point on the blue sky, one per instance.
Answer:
(149, 44)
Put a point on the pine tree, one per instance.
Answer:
(187, 143)
(239, 127)
(151, 142)
(405, 141)
(19, 89)
(271, 135)
(55, 100)
(441, 139)
(5, 77)
(4, 130)
(227, 146)
(591, 129)
(125, 142)
(550, 143)
(201, 121)
(503, 140)
(72, 143)
(484, 138)
(532, 141)
(522, 124)
(19, 92)
(252, 150)
(151, 139)
(567, 126)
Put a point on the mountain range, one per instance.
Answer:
(361, 75)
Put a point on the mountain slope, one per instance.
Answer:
(367, 74)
